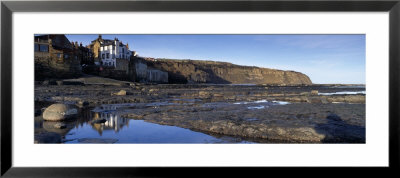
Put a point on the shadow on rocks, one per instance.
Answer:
(47, 137)
(338, 131)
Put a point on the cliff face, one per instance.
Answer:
(194, 71)
(139, 72)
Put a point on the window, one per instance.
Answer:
(108, 55)
(44, 48)
(66, 56)
(59, 55)
(102, 56)
(105, 48)
(113, 56)
(36, 47)
(113, 47)
(123, 50)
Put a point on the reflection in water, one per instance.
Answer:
(61, 128)
(113, 121)
(144, 132)
(104, 124)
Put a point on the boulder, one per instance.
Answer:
(305, 93)
(218, 95)
(204, 94)
(153, 90)
(59, 112)
(316, 100)
(314, 92)
(120, 93)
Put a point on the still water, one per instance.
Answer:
(116, 129)
(139, 131)
(104, 124)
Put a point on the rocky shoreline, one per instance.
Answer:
(262, 113)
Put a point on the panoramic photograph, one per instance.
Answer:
(199, 88)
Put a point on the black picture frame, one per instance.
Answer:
(8, 7)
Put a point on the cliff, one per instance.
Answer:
(138, 71)
(195, 71)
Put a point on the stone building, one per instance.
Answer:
(94, 46)
(110, 52)
(55, 57)
(84, 54)
(56, 46)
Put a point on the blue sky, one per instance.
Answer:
(324, 58)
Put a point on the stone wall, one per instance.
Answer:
(154, 75)
(48, 68)
(122, 64)
(137, 69)
(140, 72)
(114, 74)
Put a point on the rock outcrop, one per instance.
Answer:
(140, 72)
(195, 71)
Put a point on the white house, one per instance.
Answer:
(111, 50)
